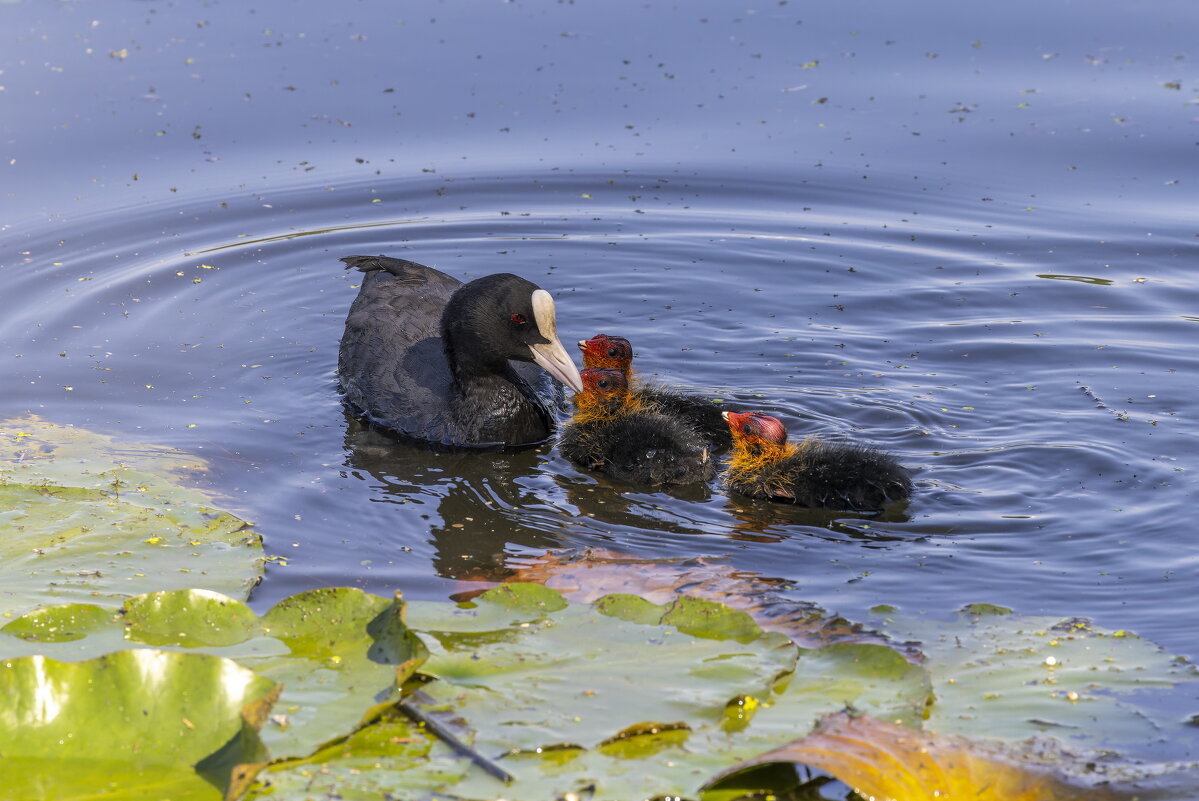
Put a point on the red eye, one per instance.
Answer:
(518, 318)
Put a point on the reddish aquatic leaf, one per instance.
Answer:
(886, 762)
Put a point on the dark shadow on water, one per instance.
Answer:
(768, 521)
(492, 504)
(484, 499)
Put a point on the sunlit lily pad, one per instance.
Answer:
(133, 724)
(88, 518)
(337, 652)
(1002, 675)
(61, 623)
(618, 696)
(392, 758)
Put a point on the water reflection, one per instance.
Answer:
(481, 502)
(766, 521)
(483, 506)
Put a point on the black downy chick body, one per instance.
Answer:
(614, 352)
(612, 432)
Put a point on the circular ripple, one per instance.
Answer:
(1038, 412)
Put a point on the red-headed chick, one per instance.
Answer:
(816, 473)
(614, 433)
(616, 353)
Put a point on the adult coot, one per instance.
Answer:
(615, 433)
(429, 357)
(832, 475)
(616, 353)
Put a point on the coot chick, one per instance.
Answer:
(612, 352)
(615, 433)
(428, 357)
(831, 475)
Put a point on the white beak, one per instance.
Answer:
(552, 356)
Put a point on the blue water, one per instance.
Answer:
(965, 232)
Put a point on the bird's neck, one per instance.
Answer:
(470, 356)
(500, 408)
(591, 406)
(750, 456)
(489, 397)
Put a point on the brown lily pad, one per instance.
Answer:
(887, 762)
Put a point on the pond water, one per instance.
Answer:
(964, 232)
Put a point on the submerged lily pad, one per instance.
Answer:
(88, 518)
(337, 652)
(133, 724)
(622, 698)
(579, 676)
(584, 576)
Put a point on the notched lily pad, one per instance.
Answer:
(131, 724)
(337, 652)
(390, 755)
(92, 519)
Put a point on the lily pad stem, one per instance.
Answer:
(448, 737)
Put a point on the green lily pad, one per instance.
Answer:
(632, 608)
(62, 623)
(578, 676)
(525, 597)
(702, 618)
(1011, 677)
(610, 696)
(392, 758)
(337, 652)
(87, 518)
(626, 697)
(189, 619)
(133, 724)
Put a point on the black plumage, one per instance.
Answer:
(699, 411)
(428, 357)
(616, 435)
(613, 352)
(816, 473)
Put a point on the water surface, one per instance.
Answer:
(964, 233)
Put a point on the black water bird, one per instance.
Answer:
(428, 357)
